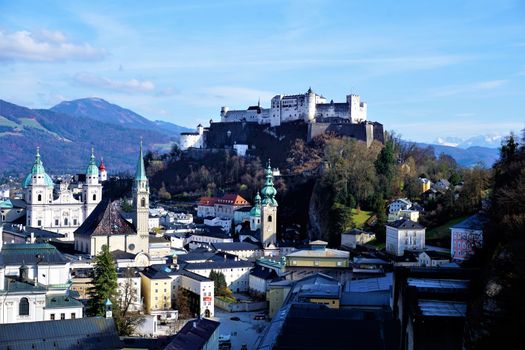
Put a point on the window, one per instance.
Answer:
(143, 202)
(39, 223)
(66, 221)
(75, 222)
(316, 263)
(62, 316)
(52, 316)
(39, 198)
(269, 218)
(23, 307)
(56, 222)
(94, 197)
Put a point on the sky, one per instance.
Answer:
(427, 69)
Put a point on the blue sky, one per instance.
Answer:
(427, 69)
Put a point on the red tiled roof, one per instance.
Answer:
(207, 200)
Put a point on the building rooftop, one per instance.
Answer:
(370, 284)
(16, 285)
(406, 224)
(235, 246)
(89, 333)
(156, 274)
(25, 231)
(442, 308)
(264, 273)
(434, 284)
(61, 301)
(106, 219)
(194, 335)
(325, 253)
(215, 265)
(41, 253)
(474, 222)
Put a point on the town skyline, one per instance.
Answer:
(182, 62)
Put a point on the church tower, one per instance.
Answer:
(92, 189)
(38, 195)
(102, 173)
(268, 210)
(141, 204)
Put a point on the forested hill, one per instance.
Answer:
(65, 141)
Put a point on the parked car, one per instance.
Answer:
(235, 318)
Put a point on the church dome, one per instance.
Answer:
(92, 168)
(38, 169)
(268, 191)
(101, 166)
(256, 210)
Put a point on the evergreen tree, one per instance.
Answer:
(104, 283)
(219, 282)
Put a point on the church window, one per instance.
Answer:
(39, 198)
(39, 223)
(94, 197)
(62, 316)
(56, 222)
(73, 316)
(143, 202)
(52, 316)
(65, 221)
(131, 246)
(75, 222)
(23, 307)
(269, 218)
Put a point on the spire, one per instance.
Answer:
(259, 103)
(92, 168)
(140, 173)
(268, 191)
(38, 167)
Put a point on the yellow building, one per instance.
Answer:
(156, 290)
(318, 256)
(425, 184)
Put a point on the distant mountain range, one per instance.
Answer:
(103, 111)
(66, 133)
(490, 141)
(467, 157)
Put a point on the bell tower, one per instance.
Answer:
(268, 210)
(141, 204)
(92, 189)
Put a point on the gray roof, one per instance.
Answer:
(91, 333)
(442, 308)
(225, 264)
(106, 219)
(474, 222)
(194, 335)
(121, 255)
(235, 246)
(61, 301)
(41, 253)
(406, 224)
(370, 284)
(14, 286)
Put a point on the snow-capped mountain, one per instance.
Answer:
(490, 141)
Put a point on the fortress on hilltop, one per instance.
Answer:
(301, 116)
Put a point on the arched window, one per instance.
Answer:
(269, 218)
(39, 198)
(23, 307)
(94, 197)
(143, 202)
(65, 221)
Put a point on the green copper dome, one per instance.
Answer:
(38, 169)
(140, 172)
(256, 210)
(92, 168)
(268, 191)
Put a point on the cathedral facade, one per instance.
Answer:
(59, 211)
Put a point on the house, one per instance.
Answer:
(354, 237)
(399, 204)
(260, 278)
(425, 184)
(198, 334)
(223, 207)
(318, 256)
(243, 250)
(404, 234)
(241, 215)
(236, 271)
(410, 214)
(442, 185)
(466, 236)
(433, 258)
(224, 224)
(156, 291)
(159, 246)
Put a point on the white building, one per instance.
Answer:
(200, 286)
(34, 279)
(433, 258)
(192, 139)
(65, 213)
(260, 278)
(354, 237)
(404, 235)
(236, 272)
(399, 204)
(307, 107)
(224, 224)
(244, 250)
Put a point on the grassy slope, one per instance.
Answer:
(443, 231)
(360, 219)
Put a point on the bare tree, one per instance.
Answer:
(126, 314)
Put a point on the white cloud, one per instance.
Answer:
(44, 46)
(128, 86)
(460, 89)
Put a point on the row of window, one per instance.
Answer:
(63, 316)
